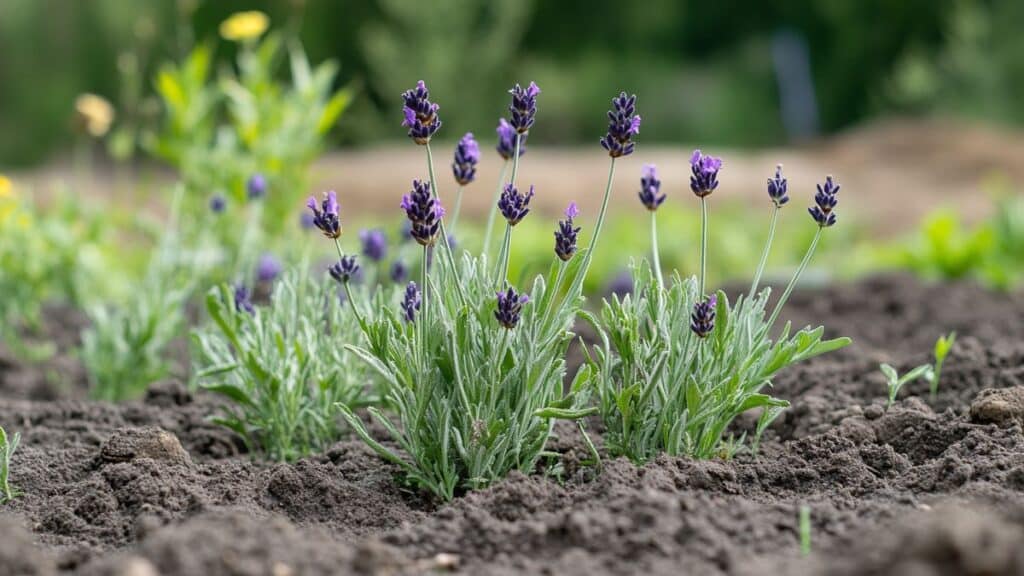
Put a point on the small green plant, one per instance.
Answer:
(895, 382)
(474, 381)
(7, 448)
(805, 530)
(675, 367)
(284, 366)
(943, 346)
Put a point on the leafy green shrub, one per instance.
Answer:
(7, 447)
(675, 367)
(283, 366)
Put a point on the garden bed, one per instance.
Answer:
(923, 488)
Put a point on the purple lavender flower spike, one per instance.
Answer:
(507, 140)
(623, 124)
(424, 213)
(702, 321)
(268, 268)
(218, 203)
(621, 284)
(650, 188)
(420, 114)
(825, 202)
(510, 307)
(411, 302)
(514, 205)
(565, 235)
(524, 107)
(399, 272)
(243, 299)
(344, 269)
(325, 217)
(256, 187)
(778, 187)
(375, 244)
(704, 173)
(467, 155)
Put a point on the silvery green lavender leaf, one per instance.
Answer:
(284, 367)
(8, 444)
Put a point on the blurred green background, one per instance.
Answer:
(738, 73)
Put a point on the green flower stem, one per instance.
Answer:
(703, 244)
(654, 249)
(494, 209)
(764, 255)
(793, 281)
(503, 256)
(515, 159)
(458, 208)
(421, 325)
(577, 283)
(348, 292)
(444, 233)
(554, 289)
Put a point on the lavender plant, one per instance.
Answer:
(472, 365)
(282, 366)
(677, 365)
(7, 447)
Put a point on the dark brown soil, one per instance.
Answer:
(151, 488)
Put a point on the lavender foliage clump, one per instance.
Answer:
(344, 269)
(650, 188)
(566, 234)
(424, 213)
(420, 114)
(523, 109)
(467, 156)
(411, 302)
(510, 307)
(704, 173)
(623, 124)
(825, 202)
(256, 187)
(778, 188)
(507, 140)
(514, 205)
(702, 321)
(375, 244)
(325, 216)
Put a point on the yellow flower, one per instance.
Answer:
(5, 187)
(242, 26)
(96, 114)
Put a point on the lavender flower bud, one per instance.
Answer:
(268, 268)
(650, 188)
(326, 216)
(565, 235)
(524, 107)
(411, 302)
(702, 321)
(514, 206)
(399, 272)
(467, 155)
(243, 299)
(704, 173)
(424, 213)
(510, 307)
(623, 123)
(375, 244)
(256, 187)
(306, 221)
(420, 114)
(825, 202)
(777, 187)
(218, 203)
(344, 269)
(507, 140)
